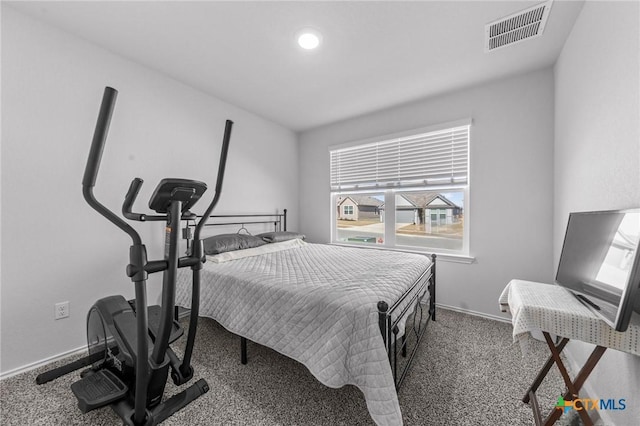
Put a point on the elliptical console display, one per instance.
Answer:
(129, 342)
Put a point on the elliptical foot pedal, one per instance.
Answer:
(98, 389)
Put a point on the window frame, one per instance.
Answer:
(390, 196)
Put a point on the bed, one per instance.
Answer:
(346, 313)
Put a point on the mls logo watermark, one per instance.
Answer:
(579, 404)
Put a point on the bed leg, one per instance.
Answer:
(243, 350)
(383, 307)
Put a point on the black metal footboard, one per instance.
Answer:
(390, 317)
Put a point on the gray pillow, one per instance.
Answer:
(229, 242)
(276, 237)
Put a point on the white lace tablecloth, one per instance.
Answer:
(539, 307)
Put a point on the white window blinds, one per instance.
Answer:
(428, 159)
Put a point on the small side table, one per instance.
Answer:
(553, 310)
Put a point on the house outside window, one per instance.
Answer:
(406, 191)
(430, 220)
(360, 221)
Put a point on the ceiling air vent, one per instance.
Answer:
(515, 28)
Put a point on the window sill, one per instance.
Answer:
(446, 257)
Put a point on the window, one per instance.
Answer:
(407, 190)
(422, 222)
(358, 219)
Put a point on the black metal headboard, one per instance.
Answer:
(278, 220)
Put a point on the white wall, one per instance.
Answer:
(597, 155)
(511, 181)
(54, 247)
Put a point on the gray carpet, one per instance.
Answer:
(466, 372)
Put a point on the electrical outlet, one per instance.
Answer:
(61, 310)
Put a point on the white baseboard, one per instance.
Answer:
(34, 365)
(475, 313)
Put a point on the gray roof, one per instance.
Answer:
(362, 200)
(421, 200)
(424, 199)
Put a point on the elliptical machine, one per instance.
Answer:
(129, 342)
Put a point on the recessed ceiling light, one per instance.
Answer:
(309, 39)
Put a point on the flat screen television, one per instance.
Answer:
(600, 263)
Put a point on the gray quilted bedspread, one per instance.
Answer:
(317, 305)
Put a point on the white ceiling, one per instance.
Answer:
(374, 55)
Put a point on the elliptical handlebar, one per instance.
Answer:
(223, 156)
(93, 164)
(99, 136)
(185, 371)
(130, 198)
(221, 167)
